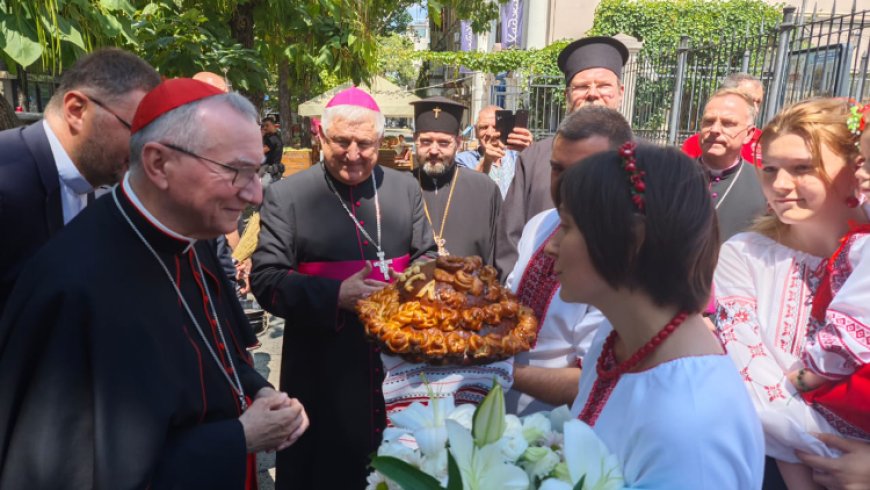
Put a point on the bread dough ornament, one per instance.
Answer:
(451, 310)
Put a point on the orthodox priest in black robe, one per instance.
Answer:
(461, 205)
(122, 358)
(593, 73)
(328, 236)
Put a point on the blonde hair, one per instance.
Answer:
(820, 121)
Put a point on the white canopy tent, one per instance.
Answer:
(393, 100)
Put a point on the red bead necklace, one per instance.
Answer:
(607, 378)
(639, 355)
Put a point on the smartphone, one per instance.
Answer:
(521, 119)
(504, 124)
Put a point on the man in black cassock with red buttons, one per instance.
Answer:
(329, 236)
(122, 355)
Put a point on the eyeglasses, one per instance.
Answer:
(242, 176)
(103, 106)
(605, 89)
(365, 147)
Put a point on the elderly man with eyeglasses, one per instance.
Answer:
(329, 236)
(727, 125)
(123, 368)
(50, 169)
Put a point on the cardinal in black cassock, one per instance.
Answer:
(316, 231)
(461, 205)
(123, 359)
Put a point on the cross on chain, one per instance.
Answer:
(383, 265)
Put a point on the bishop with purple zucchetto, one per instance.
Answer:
(329, 236)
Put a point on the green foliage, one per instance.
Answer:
(183, 42)
(407, 476)
(392, 62)
(58, 32)
(660, 23)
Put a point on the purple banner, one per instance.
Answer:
(512, 24)
(467, 41)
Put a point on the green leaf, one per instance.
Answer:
(454, 477)
(122, 5)
(18, 41)
(579, 485)
(407, 476)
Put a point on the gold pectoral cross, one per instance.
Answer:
(437, 111)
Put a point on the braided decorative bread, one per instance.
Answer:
(449, 311)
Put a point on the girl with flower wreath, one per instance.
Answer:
(794, 292)
(638, 240)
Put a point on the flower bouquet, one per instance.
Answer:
(441, 446)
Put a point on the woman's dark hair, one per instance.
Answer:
(670, 250)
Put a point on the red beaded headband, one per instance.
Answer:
(635, 176)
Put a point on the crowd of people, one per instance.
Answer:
(706, 310)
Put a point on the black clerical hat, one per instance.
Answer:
(593, 52)
(437, 114)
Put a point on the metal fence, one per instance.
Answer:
(542, 95)
(799, 58)
(802, 56)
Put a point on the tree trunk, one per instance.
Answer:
(8, 119)
(284, 99)
(242, 29)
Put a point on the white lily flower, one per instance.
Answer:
(558, 417)
(483, 468)
(400, 451)
(585, 454)
(464, 414)
(535, 426)
(426, 422)
(436, 465)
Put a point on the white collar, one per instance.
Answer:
(66, 169)
(719, 173)
(134, 199)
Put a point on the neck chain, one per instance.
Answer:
(382, 263)
(439, 237)
(730, 186)
(234, 382)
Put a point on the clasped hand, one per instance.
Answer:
(274, 421)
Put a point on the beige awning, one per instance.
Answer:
(393, 100)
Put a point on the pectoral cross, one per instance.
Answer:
(383, 265)
(437, 111)
(442, 246)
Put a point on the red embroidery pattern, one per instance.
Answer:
(842, 425)
(830, 337)
(745, 374)
(539, 284)
(774, 392)
(791, 327)
(600, 393)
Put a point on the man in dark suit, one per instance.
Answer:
(49, 170)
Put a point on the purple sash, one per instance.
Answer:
(341, 270)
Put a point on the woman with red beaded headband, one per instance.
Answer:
(639, 241)
(794, 292)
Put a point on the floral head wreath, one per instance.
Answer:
(857, 120)
(635, 177)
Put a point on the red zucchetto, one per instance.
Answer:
(170, 94)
